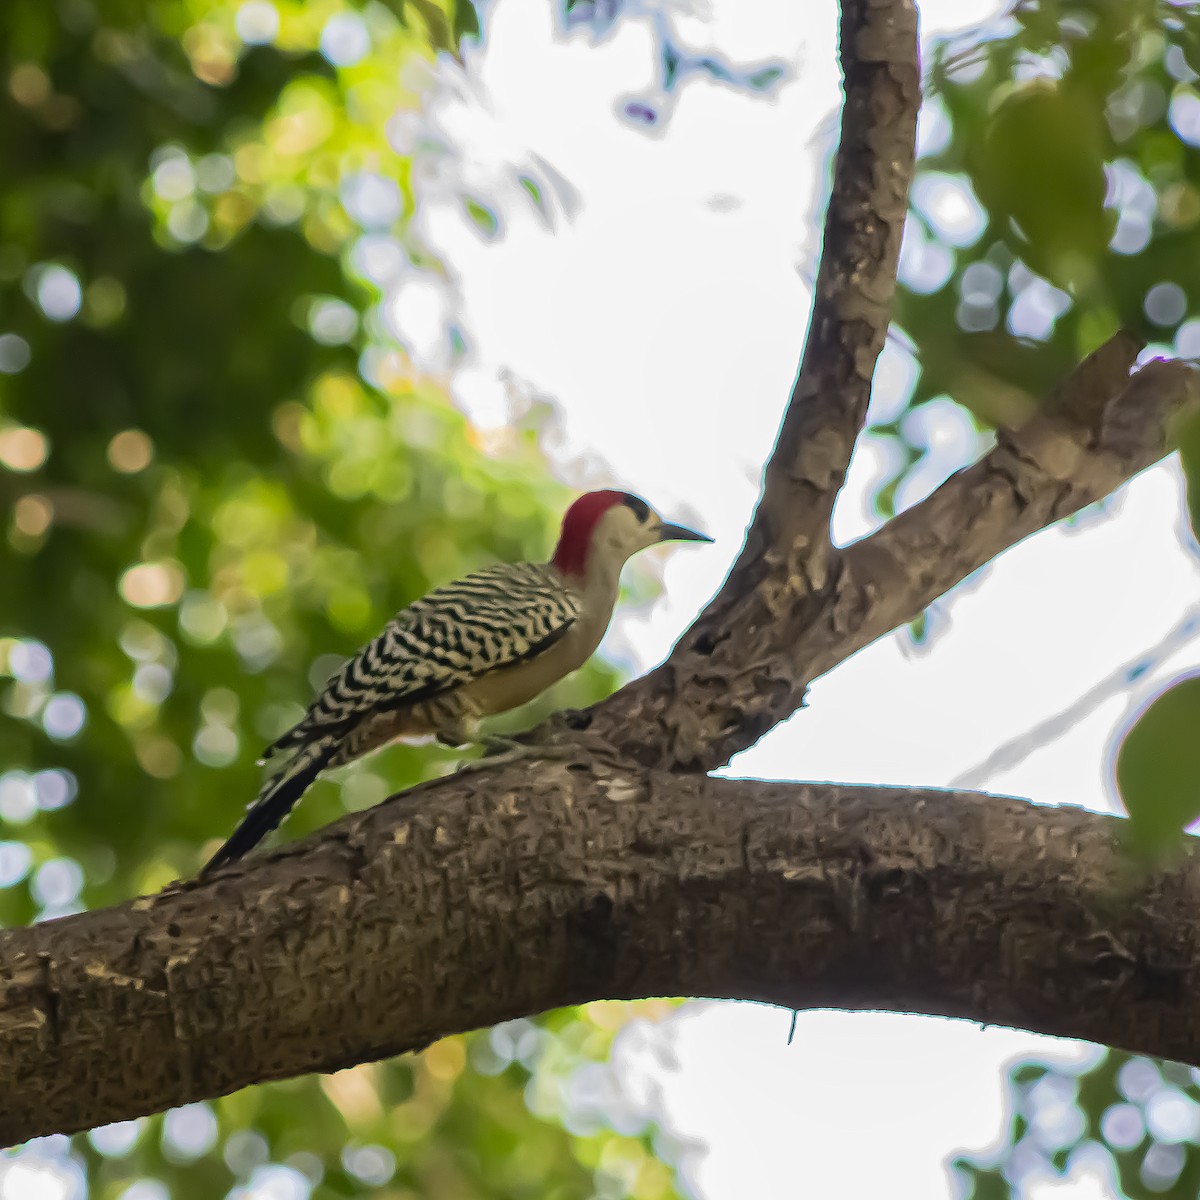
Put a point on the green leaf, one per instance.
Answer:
(466, 21)
(484, 219)
(768, 77)
(1042, 166)
(533, 190)
(1158, 767)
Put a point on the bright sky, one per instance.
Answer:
(663, 313)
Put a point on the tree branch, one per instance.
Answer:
(724, 686)
(498, 894)
(787, 548)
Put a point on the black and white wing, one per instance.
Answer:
(490, 619)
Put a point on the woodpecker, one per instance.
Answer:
(483, 645)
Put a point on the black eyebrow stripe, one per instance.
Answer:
(641, 509)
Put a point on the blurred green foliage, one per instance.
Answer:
(1129, 1124)
(492, 1114)
(220, 471)
(1058, 199)
(1059, 177)
(1158, 768)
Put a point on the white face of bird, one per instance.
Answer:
(633, 525)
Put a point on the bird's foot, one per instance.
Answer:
(499, 751)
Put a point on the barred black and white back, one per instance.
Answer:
(491, 619)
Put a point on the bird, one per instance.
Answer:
(481, 645)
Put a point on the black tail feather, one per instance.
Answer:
(277, 798)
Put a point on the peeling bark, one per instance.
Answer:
(502, 893)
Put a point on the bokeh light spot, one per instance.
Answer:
(58, 292)
(215, 173)
(187, 222)
(64, 716)
(54, 788)
(363, 790)
(1187, 339)
(244, 1150)
(257, 22)
(189, 1132)
(275, 1182)
(152, 682)
(30, 661)
(32, 1177)
(1037, 307)
(220, 705)
(331, 322)
(57, 882)
(22, 448)
(1166, 304)
(374, 1165)
(216, 745)
(1139, 1079)
(925, 264)
(1161, 1166)
(445, 1059)
(14, 353)
(18, 799)
(378, 257)
(118, 1139)
(1173, 1117)
(373, 200)
(416, 313)
(949, 204)
(174, 178)
(257, 641)
(146, 1189)
(345, 40)
(142, 642)
(32, 515)
(29, 85)
(202, 618)
(130, 451)
(159, 757)
(1185, 115)
(152, 584)
(283, 205)
(15, 860)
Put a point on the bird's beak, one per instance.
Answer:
(680, 533)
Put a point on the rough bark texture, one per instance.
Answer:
(613, 873)
(502, 893)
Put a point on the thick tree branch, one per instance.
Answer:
(497, 894)
(726, 685)
(852, 299)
